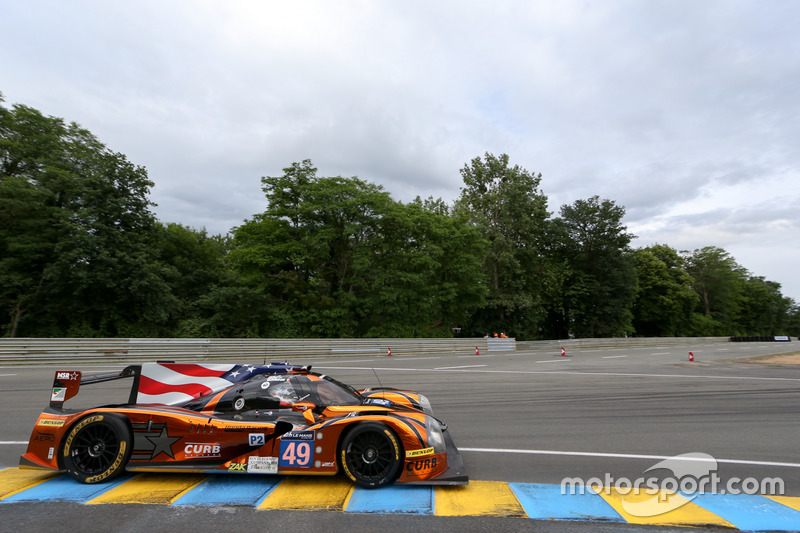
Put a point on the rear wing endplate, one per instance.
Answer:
(67, 383)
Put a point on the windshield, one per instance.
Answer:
(331, 392)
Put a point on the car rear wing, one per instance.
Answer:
(67, 383)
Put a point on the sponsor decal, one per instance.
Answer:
(237, 467)
(201, 449)
(59, 394)
(328, 464)
(51, 452)
(44, 437)
(379, 401)
(257, 439)
(298, 435)
(67, 376)
(265, 384)
(51, 422)
(421, 465)
(81, 424)
(276, 378)
(265, 465)
(396, 447)
(419, 453)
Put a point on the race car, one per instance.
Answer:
(244, 419)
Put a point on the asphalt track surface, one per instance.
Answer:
(519, 418)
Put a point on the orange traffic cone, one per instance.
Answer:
(691, 356)
(563, 352)
(477, 351)
(389, 352)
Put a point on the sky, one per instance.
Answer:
(685, 113)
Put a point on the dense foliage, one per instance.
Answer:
(82, 254)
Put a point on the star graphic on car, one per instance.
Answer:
(163, 443)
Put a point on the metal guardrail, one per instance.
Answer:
(112, 350)
(616, 341)
(40, 351)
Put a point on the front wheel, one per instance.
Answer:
(97, 448)
(371, 455)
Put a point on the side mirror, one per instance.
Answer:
(307, 408)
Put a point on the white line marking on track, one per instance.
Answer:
(350, 361)
(565, 360)
(6, 375)
(661, 353)
(455, 367)
(627, 456)
(613, 356)
(13, 442)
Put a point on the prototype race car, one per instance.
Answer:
(244, 419)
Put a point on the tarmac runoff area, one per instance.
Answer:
(602, 371)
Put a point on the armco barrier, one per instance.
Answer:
(39, 351)
(615, 342)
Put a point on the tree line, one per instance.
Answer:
(83, 255)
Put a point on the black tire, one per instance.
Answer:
(371, 455)
(97, 448)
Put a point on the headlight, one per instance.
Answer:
(435, 435)
(425, 404)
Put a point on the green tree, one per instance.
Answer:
(425, 276)
(202, 282)
(506, 205)
(337, 257)
(665, 300)
(600, 281)
(717, 279)
(76, 234)
(763, 310)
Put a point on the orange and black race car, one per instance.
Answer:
(244, 419)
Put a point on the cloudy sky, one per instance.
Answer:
(686, 113)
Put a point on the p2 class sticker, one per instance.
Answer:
(262, 465)
(257, 439)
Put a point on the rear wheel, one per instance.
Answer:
(371, 455)
(97, 448)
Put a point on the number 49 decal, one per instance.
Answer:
(296, 454)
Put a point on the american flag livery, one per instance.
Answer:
(174, 383)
